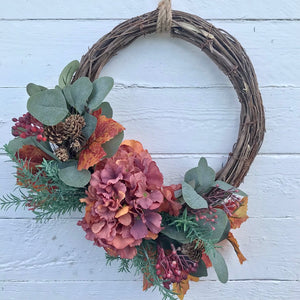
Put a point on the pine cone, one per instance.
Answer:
(193, 251)
(62, 153)
(73, 126)
(55, 134)
(78, 143)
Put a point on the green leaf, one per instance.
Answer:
(191, 197)
(48, 106)
(173, 233)
(90, 126)
(201, 270)
(67, 73)
(112, 146)
(191, 177)
(226, 186)
(101, 87)
(14, 145)
(32, 88)
(69, 174)
(106, 110)
(206, 176)
(222, 226)
(218, 263)
(78, 93)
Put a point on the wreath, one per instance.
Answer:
(70, 154)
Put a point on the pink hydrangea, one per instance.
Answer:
(123, 197)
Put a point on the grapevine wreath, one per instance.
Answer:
(70, 154)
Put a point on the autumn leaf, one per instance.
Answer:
(181, 288)
(236, 247)
(206, 260)
(33, 157)
(105, 130)
(239, 216)
(146, 283)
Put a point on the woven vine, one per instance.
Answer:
(223, 49)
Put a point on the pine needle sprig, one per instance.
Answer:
(144, 263)
(43, 192)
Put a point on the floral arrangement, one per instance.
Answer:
(70, 154)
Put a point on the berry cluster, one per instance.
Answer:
(173, 267)
(27, 126)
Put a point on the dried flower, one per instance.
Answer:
(170, 204)
(123, 196)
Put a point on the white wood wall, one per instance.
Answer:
(172, 98)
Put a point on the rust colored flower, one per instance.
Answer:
(170, 204)
(124, 194)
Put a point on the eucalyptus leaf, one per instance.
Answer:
(191, 177)
(206, 176)
(226, 187)
(218, 263)
(221, 225)
(112, 146)
(101, 87)
(17, 143)
(201, 269)
(67, 73)
(217, 229)
(192, 199)
(78, 93)
(69, 174)
(106, 110)
(32, 88)
(173, 233)
(90, 125)
(48, 106)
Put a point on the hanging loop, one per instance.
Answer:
(164, 19)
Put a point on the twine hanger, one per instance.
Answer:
(164, 19)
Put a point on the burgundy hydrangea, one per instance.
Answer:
(124, 194)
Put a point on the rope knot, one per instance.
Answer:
(164, 19)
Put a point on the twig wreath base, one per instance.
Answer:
(223, 49)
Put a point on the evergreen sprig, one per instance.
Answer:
(144, 262)
(43, 192)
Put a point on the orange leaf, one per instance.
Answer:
(146, 283)
(181, 288)
(33, 155)
(239, 216)
(105, 130)
(236, 247)
(206, 260)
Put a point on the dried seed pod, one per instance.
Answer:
(73, 126)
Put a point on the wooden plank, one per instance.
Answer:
(272, 182)
(57, 250)
(112, 290)
(125, 9)
(28, 54)
(185, 120)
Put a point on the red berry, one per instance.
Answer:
(157, 266)
(39, 137)
(158, 272)
(23, 135)
(33, 129)
(44, 139)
